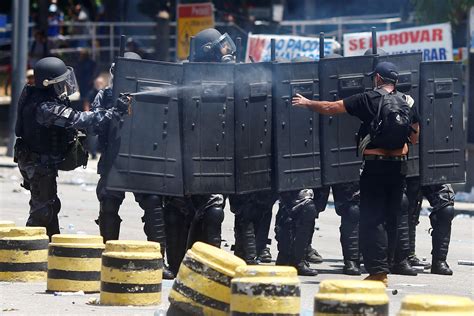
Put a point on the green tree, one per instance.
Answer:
(437, 11)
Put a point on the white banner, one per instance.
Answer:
(287, 47)
(434, 41)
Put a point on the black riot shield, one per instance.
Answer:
(208, 128)
(341, 78)
(296, 140)
(442, 143)
(146, 146)
(408, 82)
(253, 127)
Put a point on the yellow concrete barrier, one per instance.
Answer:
(131, 273)
(23, 254)
(7, 224)
(351, 297)
(433, 305)
(74, 263)
(202, 286)
(265, 290)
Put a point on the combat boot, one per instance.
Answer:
(313, 256)
(381, 277)
(304, 269)
(265, 256)
(403, 268)
(440, 267)
(414, 261)
(351, 267)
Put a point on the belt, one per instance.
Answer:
(386, 158)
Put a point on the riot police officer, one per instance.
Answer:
(47, 127)
(197, 217)
(110, 200)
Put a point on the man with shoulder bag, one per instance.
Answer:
(389, 120)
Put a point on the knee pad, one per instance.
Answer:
(214, 216)
(41, 217)
(149, 201)
(443, 215)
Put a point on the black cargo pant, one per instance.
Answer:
(44, 202)
(381, 192)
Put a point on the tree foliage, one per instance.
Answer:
(437, 11)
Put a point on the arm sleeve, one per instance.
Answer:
(19, 119)
(57, 114)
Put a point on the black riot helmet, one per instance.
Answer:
(51, 72)
(211, 46)
(129, 55)
(380, 52)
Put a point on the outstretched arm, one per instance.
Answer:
(322, 107)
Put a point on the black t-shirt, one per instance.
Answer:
(365, 105)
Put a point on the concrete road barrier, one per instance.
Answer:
(351, 297)
(23, 254)
(74, 263)
(432, 305)
(7, 224)
(202, 286)
(132, 273)
(265, 290)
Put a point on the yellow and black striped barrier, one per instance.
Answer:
(23, 254)
(265, 290)
(351, 297)
(7, 224)
(202, 286)
(131, 273)
(424, 305)
(74, 263)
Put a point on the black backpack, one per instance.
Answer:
(391, 126)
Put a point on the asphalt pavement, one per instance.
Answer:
(80, 208)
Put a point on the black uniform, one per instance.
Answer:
(381, 190)
(46, 127)
(253, 214)
(294, 227)
(110, 201)
(198, 217)
(346, 202)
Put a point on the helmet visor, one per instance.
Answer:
(225, 45)
(64, 84)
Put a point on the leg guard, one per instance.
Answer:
(212, 221)
(441, 223)
(153, 219)
(346, 202)
(349, 230)
(441, 198)
(402, 247)
(109, 220)
(245, 246)
(177, 228)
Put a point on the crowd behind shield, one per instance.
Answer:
(274, 151)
